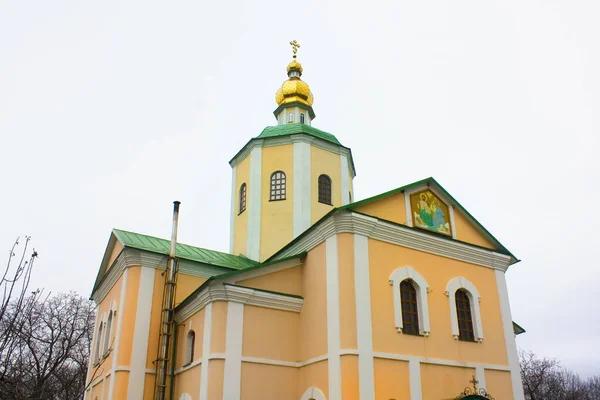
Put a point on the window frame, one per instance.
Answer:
(411, 311)
(242, 200)
(190, 344)
(290, 118)
(472, 293)
(302, 118)
(273, 182)
(107, 334)
(466, 333)
(421, 287)
(330, 188)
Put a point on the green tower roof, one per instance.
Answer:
(293, 129)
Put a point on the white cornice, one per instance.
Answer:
(295, 138)
(350, 222)
(218, 291)
(138, 258)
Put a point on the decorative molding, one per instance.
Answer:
(295, 138)
(191, 365)
(313, 393)
(262, 271)
(509, 337)
(233, 351)
(301, 187)
(348, 221)
(422, 288)
(218, 291)
(206, 338)
(130, 257)
(333, 318)
(141, 331)
(364, 333)
(111, 386)
(474, 299)
(438, 361)
(254, 199)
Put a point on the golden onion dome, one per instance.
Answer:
(294, 89)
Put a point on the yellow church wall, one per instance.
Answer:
(270, 333)
(392, 379)
(384, 258)
(216, 373)
(113, 295)
(260, 381)
(153, 337)
(242, 175)
(277, 218)
(313, 321)
(219, 325)
(349, 367)
(114, 253)
(391, 208)
(313, 375)
(287, 281)
(188, 382)
(197, 322)
(498, 384)
(128, 320)
(443, 382)
(186, 284)
(346, 291)
(97, 391)
(466, 232)
(328, 163)
(149, 386)
(121, 385)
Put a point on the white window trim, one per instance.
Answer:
(108, 329)
(422, 288)
(189, 344)
(474, 299)
(313, 393)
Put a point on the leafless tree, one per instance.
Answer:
(544, 378)
(45, 339)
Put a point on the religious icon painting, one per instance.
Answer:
(429, 212)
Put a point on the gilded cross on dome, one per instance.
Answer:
(295, 46)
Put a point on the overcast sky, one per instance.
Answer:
(111, 110)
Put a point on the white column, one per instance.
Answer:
(141, 331)
(480, 377)
(233, 213)
(205, 351)
(301, 187)
(254, 204)
(364, 333)
(111, 387)
(333, 319)
(509, 337)
(414, 373)
(345, 174)
(233, 351)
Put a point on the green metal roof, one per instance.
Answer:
(184, 251)
(293, 129)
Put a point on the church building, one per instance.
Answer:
(397, 296)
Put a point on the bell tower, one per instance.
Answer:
(288, 177)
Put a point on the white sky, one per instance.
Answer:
(111, 110)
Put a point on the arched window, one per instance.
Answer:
(301, 118)
(191, 341)
(242, 198)
(290, 118)
(277, 186)
(463, 314)
(350, 197)
(410, 313)
(98, 340)
(325, 189)
(107, 334)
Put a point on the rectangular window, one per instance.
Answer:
(291, 118)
